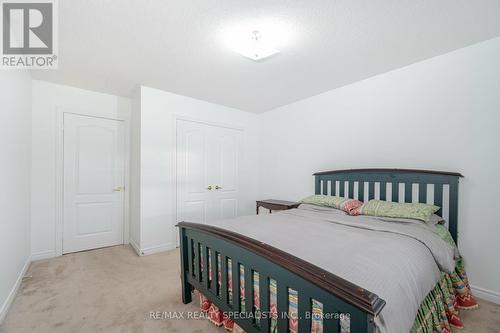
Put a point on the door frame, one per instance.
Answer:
(176, 118)
(59, 170)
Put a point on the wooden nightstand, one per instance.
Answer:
(272, 204)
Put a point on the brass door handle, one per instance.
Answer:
(210, 188)
(118, 189)
(217, 187)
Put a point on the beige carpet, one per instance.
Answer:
(114, 290)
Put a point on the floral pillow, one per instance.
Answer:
(347, 205)
(416, 211)
(351, 206)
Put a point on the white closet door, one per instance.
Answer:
(193, 198)
(94, 163)
(207, 172)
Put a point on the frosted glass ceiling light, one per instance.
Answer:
(254, 48)
(257, 38)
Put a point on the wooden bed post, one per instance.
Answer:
(186, 287)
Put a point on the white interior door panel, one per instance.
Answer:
(94, 165)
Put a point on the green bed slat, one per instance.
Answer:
(361, 191)
(213, 268)
(236, 285)
(351, 189)
(325, 187)
(248, 290)
(190, 257)
(371, 190)
(218, 290)
(332, 187)
(395, 191)
(305, 305)
(341, 188)
(223, 288)
(205, 265)
(422, 193)
(383, 190)
(408, 192)
(196, 260)
(264, 301)
(199, 262)
(453, 208)
(282, 307)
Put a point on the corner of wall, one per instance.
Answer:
(135, 170)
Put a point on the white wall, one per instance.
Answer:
(47, 99)
(158, 111)
(442, 113)
(15, 156)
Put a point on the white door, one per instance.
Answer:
(207, 172)
(94, 161)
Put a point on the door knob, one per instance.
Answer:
(118, 189)
(209, 187)
(217, 187)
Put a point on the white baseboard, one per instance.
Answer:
(156, 249)
(152, 249)
(8, 302)
(488, 295)
(135, 247)
(43, 255)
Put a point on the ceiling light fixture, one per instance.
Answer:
(255, 49)
(257, 38)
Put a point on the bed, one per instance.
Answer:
(249, 269)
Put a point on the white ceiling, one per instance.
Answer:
(113, 46)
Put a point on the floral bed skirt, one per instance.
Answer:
(438, 313)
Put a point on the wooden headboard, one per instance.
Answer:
(425, 186)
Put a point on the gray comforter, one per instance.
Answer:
(400, 262)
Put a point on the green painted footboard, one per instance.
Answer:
(337, 295)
